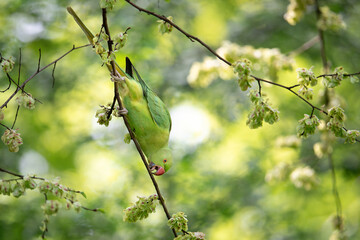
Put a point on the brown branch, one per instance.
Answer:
(4, 126)
(16, 115)
(335, 74)
(137, 145)
(38, 71)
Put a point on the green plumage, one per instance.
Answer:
(147, 115)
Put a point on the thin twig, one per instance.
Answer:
(305, 46)
(38, 68)
(38, 71)
(334, 187)
(4, 126)
(335, 74)
(53, 75)
(138, 147)
(16, 115)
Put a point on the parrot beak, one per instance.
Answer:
(156, 170)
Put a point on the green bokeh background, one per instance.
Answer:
(218, 175)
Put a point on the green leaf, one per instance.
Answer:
(83, 194)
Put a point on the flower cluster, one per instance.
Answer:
(267, 60)
(305, 78)
(191, 236)
(336, 122)
(296, 10)
(120, 40)
(178, 222)
(201, 74)
(291, 141)
(7, 64)
(322, 148)
(243, 70)
(108, 4)
(279, 173)
(335, 79)
(141, 208)
(12, 139)
(304, 177)
(165, 27)
(307, 125)
(262, 111)
(330, 20)
(103, 115)
(26, 100)
(351, 136)
(100, 50)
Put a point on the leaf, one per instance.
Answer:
(84, 195)
(100, 210)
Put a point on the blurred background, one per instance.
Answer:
(232, 182)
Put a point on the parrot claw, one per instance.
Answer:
(122, 112)
(117, 77)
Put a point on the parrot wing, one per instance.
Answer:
(157, 108)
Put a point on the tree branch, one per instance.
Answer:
(138, 147)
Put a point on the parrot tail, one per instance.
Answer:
(87, 32)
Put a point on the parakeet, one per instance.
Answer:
(147, 115)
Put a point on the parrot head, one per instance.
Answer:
(160, 161)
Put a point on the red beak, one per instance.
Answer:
(160, 171)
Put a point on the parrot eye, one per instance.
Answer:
(165, 161)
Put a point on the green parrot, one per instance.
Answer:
(147, 115)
